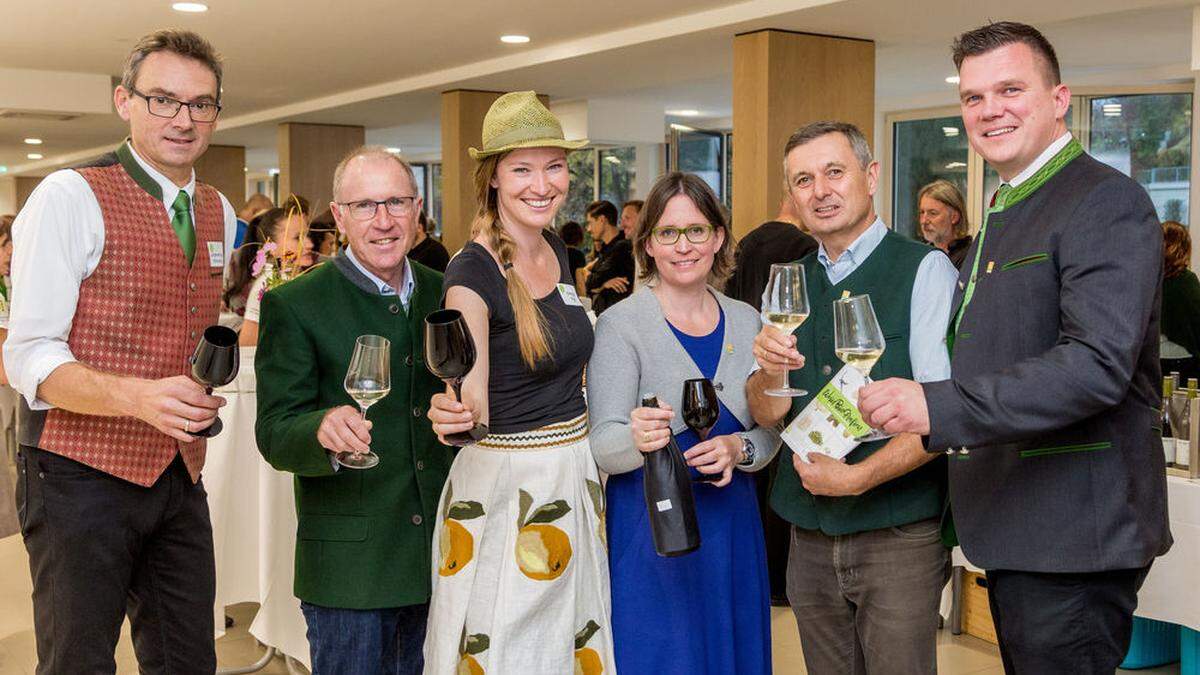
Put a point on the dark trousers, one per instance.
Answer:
(867, 603)
(366, 641)
(100, 547)
(1063, 623)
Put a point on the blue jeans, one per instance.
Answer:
(366, 641)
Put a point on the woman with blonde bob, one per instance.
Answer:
(707, 611)
(521, 574)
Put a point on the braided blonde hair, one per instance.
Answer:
(532, 332)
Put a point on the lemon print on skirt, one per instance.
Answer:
(587, 660)
(455, 543)
(468, 647)
(543, 550)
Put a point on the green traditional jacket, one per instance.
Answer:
(364, 536)
(887, 275)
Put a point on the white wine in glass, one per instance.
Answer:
(858, 341)
(368, 379)
(785, 306)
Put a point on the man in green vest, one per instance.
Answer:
(867, 564)
(363, 537)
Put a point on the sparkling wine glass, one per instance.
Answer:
(700, 412)
(450, 354)
(785, 306)
(368, 379)
(214, 364)
(858, 341)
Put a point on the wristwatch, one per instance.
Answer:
(747, 452)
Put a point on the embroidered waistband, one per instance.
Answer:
(550, 436)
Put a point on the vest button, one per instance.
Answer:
(408, 360)
(417, 519)
(416, 412)
(191, 310)
(192, 285)
(394, 308)
(826, 369)
(193, 335)
(420, 465)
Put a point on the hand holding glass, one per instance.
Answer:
(700, 412)
(450, 354)
(858, 340)
(785, 306)
(214, 364)
(368, 379)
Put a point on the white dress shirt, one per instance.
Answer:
(58, 238)
(407, 283)
(1047, 154)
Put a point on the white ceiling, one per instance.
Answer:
(382, 63)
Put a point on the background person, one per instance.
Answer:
(610, 274)
(943, 219)
(1180, 296)
(286, 230)
(429, 251)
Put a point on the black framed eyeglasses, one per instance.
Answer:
(165, 106)
(365, 209)
(697, 234)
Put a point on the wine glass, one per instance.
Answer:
(368, 379)
(700, 412)
(214, 364)
(450, 354)
(858, 341)
(785, 306)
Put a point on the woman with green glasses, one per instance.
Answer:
(707, 611)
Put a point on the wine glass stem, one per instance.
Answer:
(363, 410)
(457, 386)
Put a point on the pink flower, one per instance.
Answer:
(260, 258)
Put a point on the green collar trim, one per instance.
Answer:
(136, 172)
(1069, 152)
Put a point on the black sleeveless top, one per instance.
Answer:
(520, 398)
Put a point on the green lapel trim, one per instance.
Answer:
(1063, 449)
(1069, 152)
(137, 173)
(1024, 260)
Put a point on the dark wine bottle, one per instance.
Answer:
(669, 500)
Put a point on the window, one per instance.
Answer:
(582, 165)
(925, 150)
(1149, 138)
(702, 153)
(429, 186)
(618, 171)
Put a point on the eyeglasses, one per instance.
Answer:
(365, 209)
(165, 106)
(697, 234)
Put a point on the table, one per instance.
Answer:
(254, 524)
(1171, 592)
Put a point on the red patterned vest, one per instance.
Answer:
(140, 314)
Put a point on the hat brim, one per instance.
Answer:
(531, 143)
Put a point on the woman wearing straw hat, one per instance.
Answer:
(522, 573)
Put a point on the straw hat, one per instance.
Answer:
(519, 120)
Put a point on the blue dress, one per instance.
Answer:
(705, 612)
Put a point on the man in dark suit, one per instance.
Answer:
(1057, 481)
(775, 241)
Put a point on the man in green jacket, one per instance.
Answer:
(363, 539)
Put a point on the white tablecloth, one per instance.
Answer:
(254, 524)
(1172, 589)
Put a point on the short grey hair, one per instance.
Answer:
(371, 152)
(182, 42)
(811, 132)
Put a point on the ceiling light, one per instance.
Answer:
(193, 7)
(33, 141)
(953, 79)
(514, 39)
(950, 131)
(689, 112)
(955, 165)
(1112, 114)
(681, 127)
(1111, 108)
(33, 155)
(245, 169)
(3, 169)
(613, 159)
(273, 172)
(394, 151)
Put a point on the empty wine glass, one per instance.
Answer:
(450, 354)
(214, 364)
(368, 379)
(785, 306)
(700, 412)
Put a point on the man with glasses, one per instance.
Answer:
(364, 547)
(118, 270)
(867, 564)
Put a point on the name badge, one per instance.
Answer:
(569, 296)
(216, 254)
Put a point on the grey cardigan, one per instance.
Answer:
(636, 352)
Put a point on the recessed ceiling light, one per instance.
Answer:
(193, 7)
(514, 39)
(689, 112)
(681, 127)
(953, 79)
(33, 155)
(394, 151)
(33, 141)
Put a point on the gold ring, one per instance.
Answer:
(645, 435)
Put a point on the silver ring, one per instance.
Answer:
(187, 426)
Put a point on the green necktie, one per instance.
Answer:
(181, 222)
(998, 204)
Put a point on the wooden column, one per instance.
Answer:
(781, 81)
(463, 111)
(308, 154)
(224, 167)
